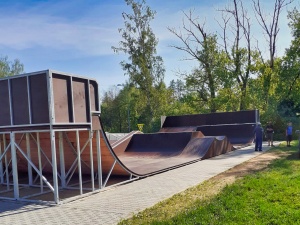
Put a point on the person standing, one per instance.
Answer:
(258, 132)
(289, 133)
(270, 132)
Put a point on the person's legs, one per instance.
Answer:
(289, 139)
(260, 144)
(256, 144)
(271, 139)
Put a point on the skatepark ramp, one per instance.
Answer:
(148, 154)
(52, 140)
(236, 126)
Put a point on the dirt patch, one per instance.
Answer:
(217, 183)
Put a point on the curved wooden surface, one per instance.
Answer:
(144, 154)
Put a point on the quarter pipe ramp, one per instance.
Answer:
(51, 130)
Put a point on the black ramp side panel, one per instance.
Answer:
(231, 117)
(4, 101)
(159, 142)
(211, 119)
(39, 99)
(185, 121)
(177, 129)
(236, 133)
(20, 105)
(94, 98)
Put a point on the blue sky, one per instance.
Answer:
(75, 36)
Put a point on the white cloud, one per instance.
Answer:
(84, 30)
(30, 29)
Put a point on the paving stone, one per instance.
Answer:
(114, 204)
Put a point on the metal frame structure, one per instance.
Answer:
(22, 132)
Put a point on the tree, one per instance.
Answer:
(240, 58)
(289, 76)
(271, 30)
(9, 68)
(110, 112)
(202, 46)
(178, 89)
(144, 67)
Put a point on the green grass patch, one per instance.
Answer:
(271, 196)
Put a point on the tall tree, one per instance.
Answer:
(271, 30)
(237, 23)
(144, 67)
(10, 68)
(289, 80)
(201, 46)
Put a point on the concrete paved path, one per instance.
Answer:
(112, 205)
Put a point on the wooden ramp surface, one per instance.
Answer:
(142, 155)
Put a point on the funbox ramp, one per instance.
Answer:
(50, 111)
(151, 153)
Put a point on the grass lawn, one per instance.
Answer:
(270, 196)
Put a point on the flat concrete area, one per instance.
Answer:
(113, 204)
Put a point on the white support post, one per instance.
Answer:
(62, 160)
(99, 158)
(29, 157)
(6, 164)
(14, 165)
(1, 164)
(79, 161)
(92, 160)
(54, 166)
(40, 160)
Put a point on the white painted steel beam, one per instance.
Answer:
(14, 165)
(40, 160)
(54, 166)
(79, 162)
(62, 160)
(99, 159)
(29, 158)
(1, 164)
(92, 160)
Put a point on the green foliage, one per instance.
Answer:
(289, 77)
(10, 68)
(211, 75)
(124, 108)
(229, 78)
(111, 113)
(144, 68)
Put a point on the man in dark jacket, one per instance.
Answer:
(258, 132)
(269, 133)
